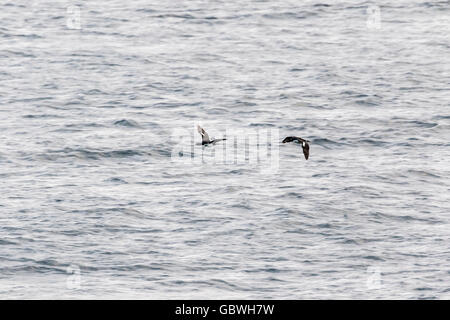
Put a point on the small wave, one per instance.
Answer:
(6, 242)
(289, 15)
(321, 175)
(145, 10)
(324, 225)
(373, 142)
(424, 124)
(322, 5)
(440, 117)
(418, 123)
(32, 99)
(126, 123)
(367, 102)
(41, 116)
(326, 143)
(94, 92)
(94, 154)
(168, 105)
(350, 241)
(297, 69)
(438, 4)
(29, 36)
(405, 218)
(20, 53)
(373, 258)
(245, 103)
(298, 230)
(178, 16)
(262, 125)
(32, 269)
(423, 173)
(117, 180)
(293, 195)
(77, 126)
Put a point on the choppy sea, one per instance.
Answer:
(95, 203)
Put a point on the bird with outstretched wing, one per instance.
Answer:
(205, 136)
(305, 144)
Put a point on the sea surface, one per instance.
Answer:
(96, 202)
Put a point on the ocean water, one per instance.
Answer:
(97, 202)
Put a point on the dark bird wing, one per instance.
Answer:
(217, 140)
(292, 138)
(289, 139)
(306, 150)
(205, 137)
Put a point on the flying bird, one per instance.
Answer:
(304, 143)
(205, 137)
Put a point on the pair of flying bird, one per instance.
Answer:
(305, 145)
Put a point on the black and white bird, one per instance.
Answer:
(205, 137)
(304, 143)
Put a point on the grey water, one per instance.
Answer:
(93, 205)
